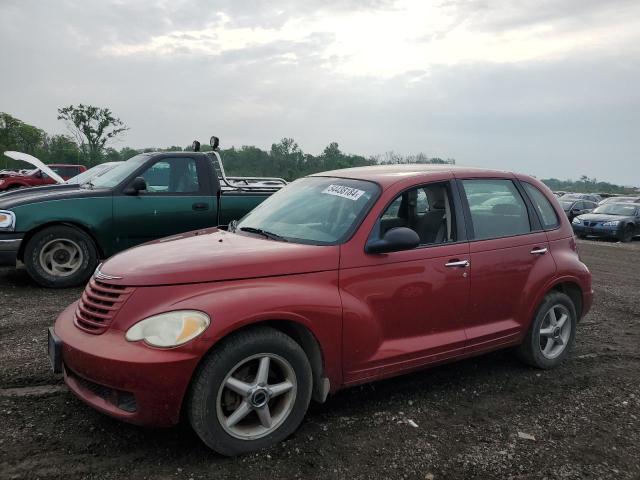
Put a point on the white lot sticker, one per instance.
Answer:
(344, 192)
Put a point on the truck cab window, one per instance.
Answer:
(172, 175)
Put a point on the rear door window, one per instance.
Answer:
(497, 208)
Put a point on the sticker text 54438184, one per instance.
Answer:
(343, 191)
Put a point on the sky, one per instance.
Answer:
(545, 87)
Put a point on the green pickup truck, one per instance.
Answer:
(61, 234)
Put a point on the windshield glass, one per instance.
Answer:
(616, 209)
(567, 205)
(118, 174)
(314, 210)
(96, 171)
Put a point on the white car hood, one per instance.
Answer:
(25, 157)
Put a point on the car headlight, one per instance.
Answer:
(169, 329)
(613, 223)
(577, 221)
(7, 220)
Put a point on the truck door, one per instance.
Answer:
(178, 199)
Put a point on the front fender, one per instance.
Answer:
(311, 300)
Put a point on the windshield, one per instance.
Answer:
(118, 174)
(567, 205)
(314, 210)
(618, 200)
(96, 171)
(616, 209)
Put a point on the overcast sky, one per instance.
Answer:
(546, 87)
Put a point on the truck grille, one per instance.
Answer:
(98, 305)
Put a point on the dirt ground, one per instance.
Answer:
(464, 420)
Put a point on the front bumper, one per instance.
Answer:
(596, 231)
(128, 381)
(9, 248)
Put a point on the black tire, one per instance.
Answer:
(87, 250)
(627, 234)
(581, 236)
(530, 351)
(207, 381)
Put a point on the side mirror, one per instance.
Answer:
(139, 184)
(394, 240)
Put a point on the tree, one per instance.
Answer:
(92, 128)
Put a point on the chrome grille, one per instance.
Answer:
(98, 305)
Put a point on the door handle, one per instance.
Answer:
(539, 251)
(200, 206)
(457, 263)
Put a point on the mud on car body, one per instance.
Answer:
(340, 278)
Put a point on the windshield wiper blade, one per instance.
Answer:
(264, 233)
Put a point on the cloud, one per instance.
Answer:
(548, 88)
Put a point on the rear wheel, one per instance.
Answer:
(60, 256)
(551, 334)
(251, 392)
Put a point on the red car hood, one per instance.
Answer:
(213, 255)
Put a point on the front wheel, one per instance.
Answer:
(551, 334)
(627, 234)
(60, 256)
(251, 392)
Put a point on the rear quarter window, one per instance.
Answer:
(542, 205)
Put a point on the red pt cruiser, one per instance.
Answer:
(340, 278)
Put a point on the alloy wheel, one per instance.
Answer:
(61, 257)
(256, 396)
(555, 331)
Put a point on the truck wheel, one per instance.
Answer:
(551, 334)
(60, 256)
(627, 234)
(251, 392)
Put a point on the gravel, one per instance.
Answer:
(486, 417)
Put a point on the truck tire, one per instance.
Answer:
(552, 332)
(251, 392)
(60, 257)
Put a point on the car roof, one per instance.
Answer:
(386, 175)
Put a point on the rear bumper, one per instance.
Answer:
(125, 380)
(9, 247)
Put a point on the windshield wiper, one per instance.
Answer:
(264, 233)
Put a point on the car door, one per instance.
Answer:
(177, 199)
(509, 262)
(406, 309)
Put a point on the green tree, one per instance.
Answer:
(92, 128)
